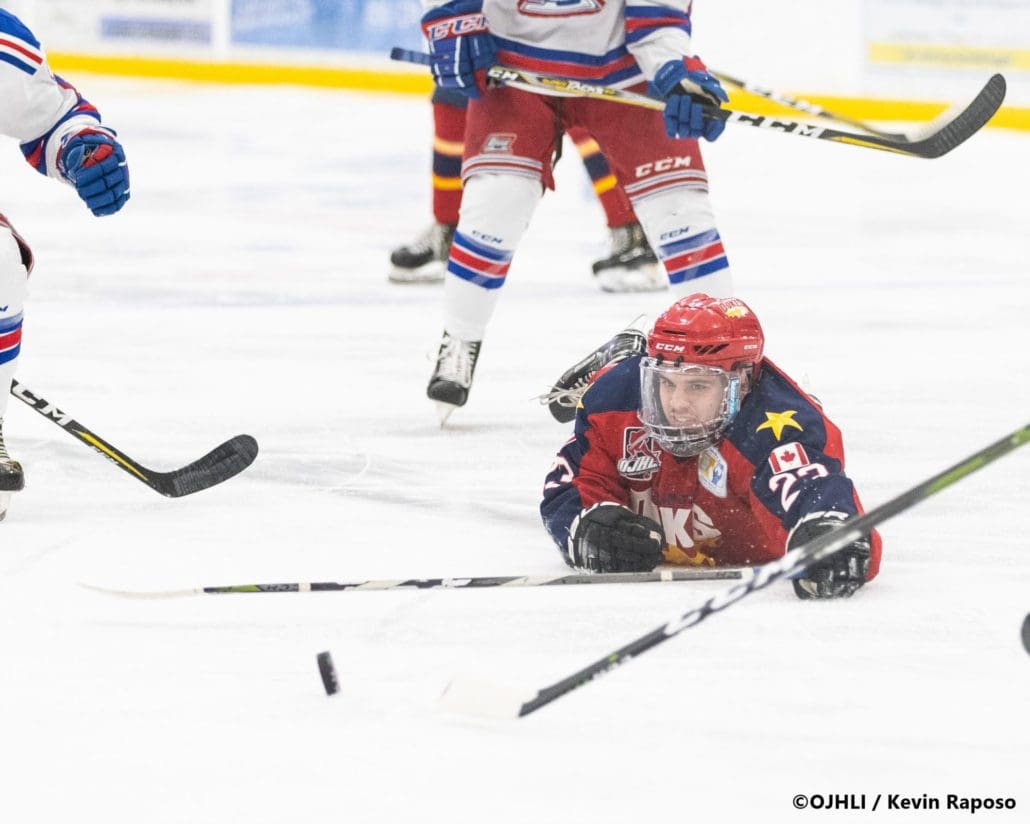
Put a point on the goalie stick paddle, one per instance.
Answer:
(481, 699)
(939, 139)
(658, 576)
(220, 464)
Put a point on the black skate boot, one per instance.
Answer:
(424, 260)
(565, 395)
(12, 478)
(455, 364)
(632, 265)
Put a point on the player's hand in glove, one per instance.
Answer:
(690, 93)
(460, 45)
(838, 576)
(610, 538)
(93, 161)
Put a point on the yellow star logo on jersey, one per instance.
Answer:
(778, 421)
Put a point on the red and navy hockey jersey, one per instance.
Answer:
(734, 504)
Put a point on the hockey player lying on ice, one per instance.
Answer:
(692, 448)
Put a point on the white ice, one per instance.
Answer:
(243, 289)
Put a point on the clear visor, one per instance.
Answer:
(686, 406)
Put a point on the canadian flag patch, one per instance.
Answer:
(787, 457)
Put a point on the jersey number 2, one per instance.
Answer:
(785, 482)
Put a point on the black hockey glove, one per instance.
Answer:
(611, 538)
(838, 576)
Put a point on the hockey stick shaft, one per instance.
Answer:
(222, 463)
(659, 576)
(790, 564)
(939, 142)
(806, 106)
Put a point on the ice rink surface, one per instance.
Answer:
(243, 289)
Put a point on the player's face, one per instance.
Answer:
(691, 399)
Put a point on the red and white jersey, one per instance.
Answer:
(612, 42)
(38, 109)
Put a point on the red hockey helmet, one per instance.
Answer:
(721, 332)
(702, 359)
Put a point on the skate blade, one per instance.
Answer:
(444, 411)
(432, 272)
(5, 501)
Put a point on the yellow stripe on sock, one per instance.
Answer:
(453, 148)
(605, 184)
(446, 184)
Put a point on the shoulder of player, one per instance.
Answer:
(777, 411)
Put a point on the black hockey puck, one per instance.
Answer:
(328, 673)
(1026, 632)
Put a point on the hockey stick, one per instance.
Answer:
(659, 576)
(480, 699)
(220, 464)
(939, 139)
(782, 99)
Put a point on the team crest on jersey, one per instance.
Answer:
(559, 8)
(641, 455)
(499, 143)
(778, 421)
(712, 471)
(787, 457)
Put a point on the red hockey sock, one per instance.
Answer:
(448, 145)
(617, 208)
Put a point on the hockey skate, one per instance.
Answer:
(424, 260)
(455, 364)
(12, 479)
(568, 390)
(632, 265)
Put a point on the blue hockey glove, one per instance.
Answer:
(608, 537)
(460, 45)
(94, 163)
(838, 576)
(690, 93)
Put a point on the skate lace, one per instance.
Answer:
(455, 361)
(3, 447)
(568, 397)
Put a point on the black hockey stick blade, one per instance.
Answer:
(575, 578)
(218, 465)
(941, 137)
(480, 699)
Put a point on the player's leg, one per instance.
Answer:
(631, 265)
(509, 139)
(15, 260)
(666, 182)
(424, 259)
